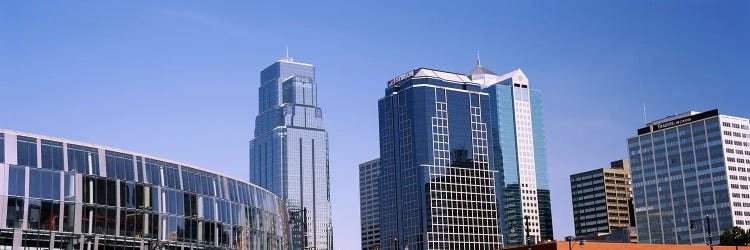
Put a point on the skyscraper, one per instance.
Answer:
(689, 169)
(369, 173)
(602, 199)
(437, 188)
(289, 154)
(518, 155)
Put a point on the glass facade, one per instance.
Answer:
(289, 153)
(110, 199)
(2, 147)
(687, 168)
(518, 155)
(436, 187)
(369, 174)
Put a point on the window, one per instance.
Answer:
(52, 155)
(120, 166)
(69, 215)
(2, 147)
(16, 181)
(99, 191)
(50, 189)
(83, 159)
(49, 215)
(69, 192)
(127, 194)
(87, 219)
(26, 147)
(14, 214)
(139, 168)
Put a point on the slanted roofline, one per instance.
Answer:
(432, 73)
(91, 145)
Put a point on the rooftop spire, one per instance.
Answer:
(479, 61)
(287, 58)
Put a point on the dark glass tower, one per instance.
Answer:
(369, 173)
(518, 155)
(289, 154)
(437, 188)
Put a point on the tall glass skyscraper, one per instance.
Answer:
(689, 169)
(436, 185)
(518, 155)
(289, 154)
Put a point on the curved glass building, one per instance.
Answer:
(62, 194)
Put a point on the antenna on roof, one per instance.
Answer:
(479, 61)
(645, 121)
(287, 58)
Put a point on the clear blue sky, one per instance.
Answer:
(180, 80)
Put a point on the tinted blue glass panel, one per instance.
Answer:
(16, 181)
(2, 147)
(83, 159)
(120, 165)
(52, 155)
(26, 149)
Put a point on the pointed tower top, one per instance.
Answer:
(479, 61)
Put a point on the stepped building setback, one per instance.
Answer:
(289, 153)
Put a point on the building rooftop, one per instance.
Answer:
(480, 70)
(44, 137)
(673, 117)
(442, 75)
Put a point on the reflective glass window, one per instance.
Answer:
(155, 199)
(87, 219)
(69, 191)
(83, 159)
(48, 215)
(16, 181)
(127, 194)
(139, 168)
(35, 210)
(52, 155)
(100, 214)
(69, 217)
(154, 225)
(51, 189)
(26, 149)
(14, 213)
(111, 186)
(110, 221)
(2, 147)
(120, 165)
(127, 222)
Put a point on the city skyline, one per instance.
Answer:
(164, 72)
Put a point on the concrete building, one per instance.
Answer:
(602, 199)
(690, 173)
